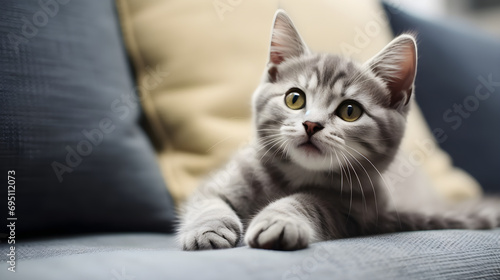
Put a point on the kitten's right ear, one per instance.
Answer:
(285, 43)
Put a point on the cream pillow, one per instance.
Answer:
(198, 63)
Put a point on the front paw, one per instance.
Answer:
(218, 233)
(278, 233)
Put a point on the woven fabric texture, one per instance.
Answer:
(447, 254)
(69, 123)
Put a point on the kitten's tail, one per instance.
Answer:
(482, 213)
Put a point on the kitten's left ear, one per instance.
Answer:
(286, 42)
(396, 65)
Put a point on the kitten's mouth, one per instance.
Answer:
(309, 147)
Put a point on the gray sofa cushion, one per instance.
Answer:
(69, 123)
(446, 254)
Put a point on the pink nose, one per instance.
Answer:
(312, 127)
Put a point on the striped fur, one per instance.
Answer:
(276, 194)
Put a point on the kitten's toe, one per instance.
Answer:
(219, 234)
(277, 235)
(212, 240)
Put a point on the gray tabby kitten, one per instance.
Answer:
(326, 127)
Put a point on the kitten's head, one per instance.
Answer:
(317, 109)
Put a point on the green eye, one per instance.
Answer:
(349, 111)
(295, 99)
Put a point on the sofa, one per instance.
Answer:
(89, 188)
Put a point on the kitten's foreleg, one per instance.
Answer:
(209, 223)
(210, 219)
(290, 223)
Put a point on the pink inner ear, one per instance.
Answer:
(400, 85)
(285, 41)
(276, 57)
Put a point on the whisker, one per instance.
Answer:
(268, 129)
(385, 184)
(280, 148)
(350, 186)
(267, 138)
(371, 183)
(219, 142)
(374, 139)
(341, 175)
(265, 143)
(284, 153)
(276, 143)
(269, 142)
(360, 185)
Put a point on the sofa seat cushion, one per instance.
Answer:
(446, 254)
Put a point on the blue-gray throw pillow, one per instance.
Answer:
(73, 157)
(458, 90)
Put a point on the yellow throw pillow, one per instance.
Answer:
(198, 62)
